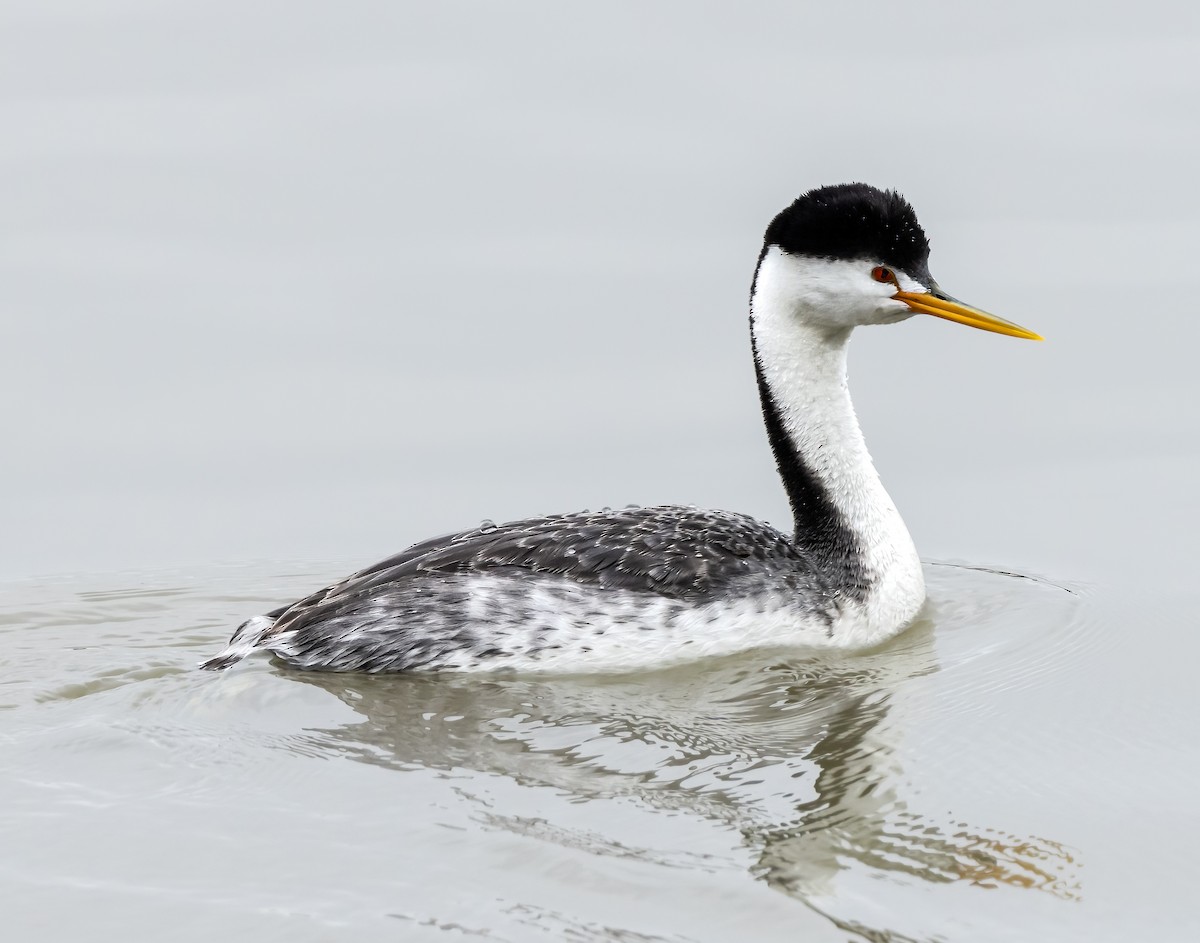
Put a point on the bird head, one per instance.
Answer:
(850, 255)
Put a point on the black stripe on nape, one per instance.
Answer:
(820, 528)
(854, 221)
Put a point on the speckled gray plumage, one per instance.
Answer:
(513, 593)
(677, 552)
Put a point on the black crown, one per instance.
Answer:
(853, 221)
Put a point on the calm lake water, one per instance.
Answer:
(993, 768)
(285, 288)
(886, 793)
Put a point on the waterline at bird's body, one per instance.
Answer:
(552, 622)
(648, 587)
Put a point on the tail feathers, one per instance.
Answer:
(245, 640)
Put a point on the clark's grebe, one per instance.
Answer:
(645, 587)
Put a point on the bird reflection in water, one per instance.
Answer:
(796, 755)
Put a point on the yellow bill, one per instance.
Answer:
(941, 305)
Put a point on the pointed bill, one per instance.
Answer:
(941, 305)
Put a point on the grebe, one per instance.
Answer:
(646, 587)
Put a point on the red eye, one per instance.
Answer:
(883, 274)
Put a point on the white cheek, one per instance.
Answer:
(839, 293)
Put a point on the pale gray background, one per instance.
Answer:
(291, 285)
(293, 281)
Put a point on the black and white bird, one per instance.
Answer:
(646, 587)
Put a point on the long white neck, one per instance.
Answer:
(843, 516)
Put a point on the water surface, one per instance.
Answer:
(916, 792)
